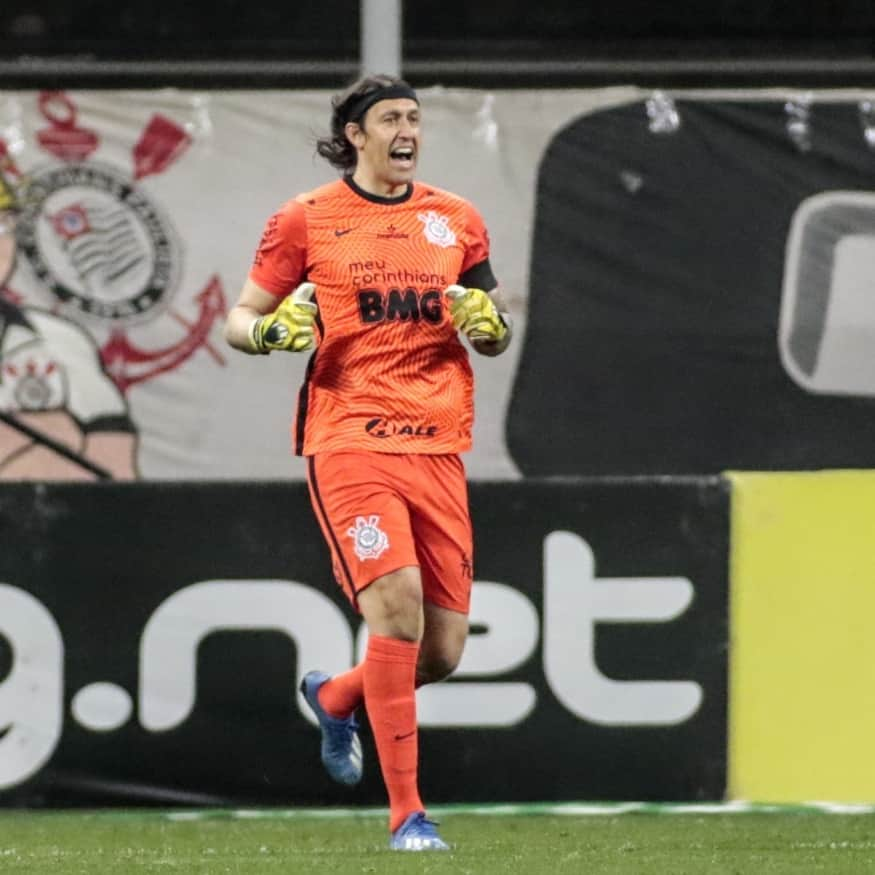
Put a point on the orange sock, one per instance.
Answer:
(344, 692)
(389, 673)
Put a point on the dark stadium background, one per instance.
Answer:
(674, 519)
(452, 42)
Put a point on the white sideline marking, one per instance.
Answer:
(844, 807)
(575, 809)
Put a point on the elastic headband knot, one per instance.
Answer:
(388, 92)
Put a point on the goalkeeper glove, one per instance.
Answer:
(474, 314)
(290, 326)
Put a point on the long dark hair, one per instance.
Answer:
(350, 105)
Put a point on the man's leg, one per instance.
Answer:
(340, 696)
(343, 693)
(441, 649)
(392, 608)
(443, 641)
(366, 522)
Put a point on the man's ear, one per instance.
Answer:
(354, 134)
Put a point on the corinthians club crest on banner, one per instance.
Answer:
(98, 244)
(104, 249)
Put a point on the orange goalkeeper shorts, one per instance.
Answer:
(383, 511)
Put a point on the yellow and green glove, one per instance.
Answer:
(290, 326)
(475, 315)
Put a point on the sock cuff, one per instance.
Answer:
(385, 649)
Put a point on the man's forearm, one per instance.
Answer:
(237, 325)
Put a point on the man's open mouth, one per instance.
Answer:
(403, 155)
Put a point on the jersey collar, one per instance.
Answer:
(376, 198)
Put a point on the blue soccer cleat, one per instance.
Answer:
(417, 834)
(341, 748)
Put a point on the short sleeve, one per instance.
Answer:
(280, 261)
(476, 270)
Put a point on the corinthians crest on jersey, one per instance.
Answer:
(97, 242)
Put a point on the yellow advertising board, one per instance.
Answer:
(802, 664)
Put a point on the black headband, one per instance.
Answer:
(387, 92)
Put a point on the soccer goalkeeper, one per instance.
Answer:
(384, 412)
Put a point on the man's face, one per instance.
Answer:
(387, 142)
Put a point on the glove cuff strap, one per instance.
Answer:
(253, 336)
(501, 345)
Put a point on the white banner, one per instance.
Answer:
(129, 219)
(138, 216)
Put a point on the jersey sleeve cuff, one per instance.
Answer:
(479, 276)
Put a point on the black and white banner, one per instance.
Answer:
(152, 637)
(701, 290)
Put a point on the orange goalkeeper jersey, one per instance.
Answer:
(389, 373)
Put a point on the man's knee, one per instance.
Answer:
(392, 605)
(442, 644)
(435, 666)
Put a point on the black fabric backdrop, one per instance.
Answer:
(656, 276)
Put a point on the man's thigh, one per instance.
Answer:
(363, 516)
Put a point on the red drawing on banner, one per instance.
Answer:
(7, 165)
(128, 364)
(11, 295)
(113, 260)
(64, 139)
(70, 222)
(160, 144)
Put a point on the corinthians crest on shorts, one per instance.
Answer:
(369, 540)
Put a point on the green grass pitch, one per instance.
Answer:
(518, 839)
